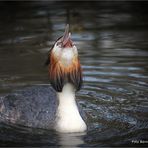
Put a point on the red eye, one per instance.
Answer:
(59, 43)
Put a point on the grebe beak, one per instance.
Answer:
(66, 41)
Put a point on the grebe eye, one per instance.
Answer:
(59, 43)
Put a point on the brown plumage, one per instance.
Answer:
(64, 64)
(60, 74)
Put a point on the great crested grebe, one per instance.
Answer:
(50, 107)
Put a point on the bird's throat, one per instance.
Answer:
(68, 118)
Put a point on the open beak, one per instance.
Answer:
(66, 41)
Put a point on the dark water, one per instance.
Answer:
(112, 39)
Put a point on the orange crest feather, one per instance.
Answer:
(60, 74)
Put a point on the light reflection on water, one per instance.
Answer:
(114, 57)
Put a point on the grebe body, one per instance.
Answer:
(50, 107)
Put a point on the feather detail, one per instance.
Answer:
(60, 74)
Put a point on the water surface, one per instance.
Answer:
(112, 39)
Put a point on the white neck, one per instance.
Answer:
(68, 117)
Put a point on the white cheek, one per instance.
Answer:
(57, 50)
(67, 54)
(75, 50)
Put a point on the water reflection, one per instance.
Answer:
(71, 139)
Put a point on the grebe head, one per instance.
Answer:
(65, 41)
(63, 63)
